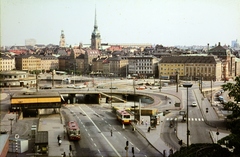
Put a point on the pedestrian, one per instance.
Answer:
(146, 123)
(111, 132)
(149, 128)
(58, 138)
(142, 121)
(59, 142)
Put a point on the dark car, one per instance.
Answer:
(46, 87)
(113, 88)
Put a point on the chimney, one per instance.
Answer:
(219, 44)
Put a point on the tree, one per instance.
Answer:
(234, 89)
(233, 140)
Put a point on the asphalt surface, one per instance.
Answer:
(55, 127)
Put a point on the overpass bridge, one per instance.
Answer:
(54, 99)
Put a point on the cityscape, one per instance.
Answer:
(111, 98)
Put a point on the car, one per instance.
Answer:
(101, 87)
(194, 104)
(71, 86)
(154, 88)
(77, 87)
(113, 88)
(46, 87)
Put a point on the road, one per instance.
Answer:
(96, 123)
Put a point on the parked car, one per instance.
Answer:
(194, 104)
(70, 86)
(113, 88)
(154, 87)
(101, 87)
(45, 87)
(77, 87)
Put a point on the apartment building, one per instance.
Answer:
(190, 67)
(7, 62)
(28, 62)
(118, 66)
(143, 66)
(49, 63)
(36, 62)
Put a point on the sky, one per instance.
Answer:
(166, 22)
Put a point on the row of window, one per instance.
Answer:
(12, 76)
(191, 64)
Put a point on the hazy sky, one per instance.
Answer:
(166, 22)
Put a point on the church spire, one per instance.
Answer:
(95, 21)
(96, 37)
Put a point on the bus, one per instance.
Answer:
(73, 131)
(124, 116)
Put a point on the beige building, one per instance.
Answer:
(36, 62)
(49, 63)
(117, 66)
(190, 67)
(7, 62)
(16, 78)
(28, 62)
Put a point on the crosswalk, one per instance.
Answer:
(189, 119)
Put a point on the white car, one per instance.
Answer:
(77, 87)
(194, 104)
(70, 86)
(154, 88)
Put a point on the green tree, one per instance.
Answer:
(234, 89)
(233, 140)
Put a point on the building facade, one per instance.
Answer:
(143, 66)
(28, 62)
(190, 67)
(16, 78)
(7, 62)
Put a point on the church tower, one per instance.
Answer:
(62, 39)
(96, 38)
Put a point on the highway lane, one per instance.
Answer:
(97, 129)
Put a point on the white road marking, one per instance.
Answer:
(100, 132)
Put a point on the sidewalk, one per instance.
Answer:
(54, 126)
(153, 137)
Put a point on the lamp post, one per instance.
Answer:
(11, 119)
(111, 90)
(187, 85)
(134, 90)
(160, 87)
(176, 81)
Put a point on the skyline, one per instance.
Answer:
(170, 23)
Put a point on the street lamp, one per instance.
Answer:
(187, 85)
(111, 90)
(11, 119)
(176, 81)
